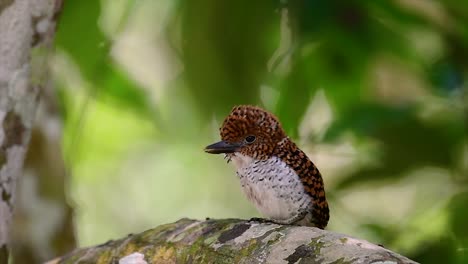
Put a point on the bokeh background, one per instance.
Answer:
(375, 92)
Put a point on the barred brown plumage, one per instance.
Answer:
(310, 178)
(275, 174)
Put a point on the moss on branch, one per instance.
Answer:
(233, 241)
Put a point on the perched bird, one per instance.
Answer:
(275, 175)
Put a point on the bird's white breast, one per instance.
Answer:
(272, 186)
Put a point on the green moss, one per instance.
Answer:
(104, 257)
(344, 240)
(210, 240)
(224, 253)
(73, 258)
(163, 254)
(276, 238)
(247, 251)
(201, 252)
(317, 244)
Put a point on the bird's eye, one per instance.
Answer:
(250, 139)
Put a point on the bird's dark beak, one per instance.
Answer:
(222, 147)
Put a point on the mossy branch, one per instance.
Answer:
(233, 241)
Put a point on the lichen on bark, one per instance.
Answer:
(18, 96)
(233, 241)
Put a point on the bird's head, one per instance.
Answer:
(250, 131)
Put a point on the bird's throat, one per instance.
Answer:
(239, 160)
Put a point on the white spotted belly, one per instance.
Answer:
(272, 186)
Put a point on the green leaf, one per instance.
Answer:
(116, 86)
(406, 142)
(79, 35)
(226, 46)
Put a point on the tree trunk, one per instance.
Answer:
(43, 220)
(26, 29)
(233, 241)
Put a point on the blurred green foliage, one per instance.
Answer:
(90, 48)
(393, 74)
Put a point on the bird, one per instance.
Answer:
(275, 175)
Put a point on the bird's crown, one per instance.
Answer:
(253, 129)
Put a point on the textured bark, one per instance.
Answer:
(26, 30)
(233, 241)
(43, 220)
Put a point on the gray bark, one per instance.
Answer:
(233, 241)
(43, 220)
(26, 30)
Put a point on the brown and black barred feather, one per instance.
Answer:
(272, 141)
(310, 176)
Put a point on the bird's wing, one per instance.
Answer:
(310, 177)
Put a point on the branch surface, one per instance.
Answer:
(233, 241)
